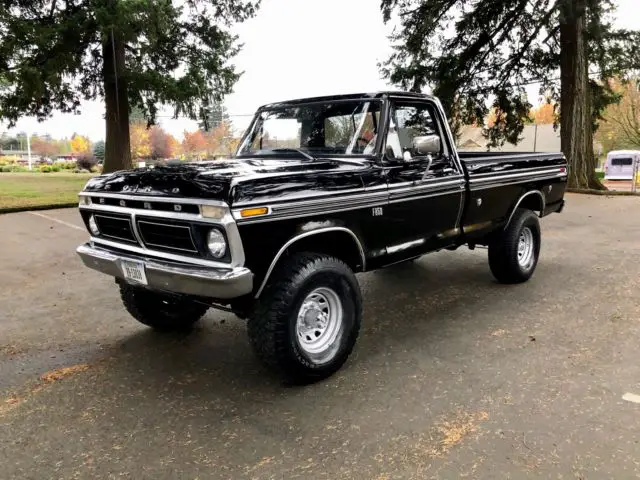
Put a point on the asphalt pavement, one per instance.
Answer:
(454, 375)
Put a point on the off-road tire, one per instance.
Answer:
(503, 248)
(272, 324)
(159, 311)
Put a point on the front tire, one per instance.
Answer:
(306, 322)
(161, 311)
(514, 252)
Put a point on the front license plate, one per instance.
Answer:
(134, 271)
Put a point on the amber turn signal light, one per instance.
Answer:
(253, 212)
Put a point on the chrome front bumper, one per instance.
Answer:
(173, 277)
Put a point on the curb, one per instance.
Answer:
(608, 193)
(28, 208)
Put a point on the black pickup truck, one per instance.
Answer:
(320, 189)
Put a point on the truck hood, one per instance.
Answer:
(215, 180)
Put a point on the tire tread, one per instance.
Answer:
(142, 305)
(503, 260)
(267, 330)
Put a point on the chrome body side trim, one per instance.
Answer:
(319, 210)
(293, 240)
(407, 191)
(493, 177)
(409, 198)
(501, 183)
(524, 170)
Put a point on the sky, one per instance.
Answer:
(292, 49)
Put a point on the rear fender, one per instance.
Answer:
(533, 200)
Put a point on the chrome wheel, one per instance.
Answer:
(526, 248)
(319, 324)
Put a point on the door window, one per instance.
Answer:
(408, 121)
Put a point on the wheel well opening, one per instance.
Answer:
(533, 201)
(338, 244)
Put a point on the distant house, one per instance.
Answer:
(67, 157)
(21, 155)
(534, 138)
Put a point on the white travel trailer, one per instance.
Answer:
(622, 164)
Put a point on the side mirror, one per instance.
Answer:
(427, 145)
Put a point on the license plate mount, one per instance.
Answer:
(134, 272)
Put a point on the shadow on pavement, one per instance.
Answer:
(407, 307)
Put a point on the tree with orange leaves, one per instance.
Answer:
(140, 140)
(80, 144)
(220, 140)
(45, 147)
(544, 114)
(162, 144)
(194, 144)
(620, 127)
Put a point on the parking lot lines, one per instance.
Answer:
(62, 222)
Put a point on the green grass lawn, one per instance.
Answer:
(37, 190)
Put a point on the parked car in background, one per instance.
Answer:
(622, 164)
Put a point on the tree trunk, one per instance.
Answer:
(117, 152)
(576, 128)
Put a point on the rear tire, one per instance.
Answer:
(160, 311)
(306, 322)
(514, 252)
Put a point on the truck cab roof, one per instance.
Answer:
(348, 96)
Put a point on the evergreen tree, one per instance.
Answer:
(470, 52)
(98, 150)
(213, 114)
(55, 53)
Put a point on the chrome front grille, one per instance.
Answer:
(163, 236)
(147, 205)
(173, 229)
(116, 227)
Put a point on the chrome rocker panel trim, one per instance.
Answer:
(209, 282)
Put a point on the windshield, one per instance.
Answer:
(315, 129)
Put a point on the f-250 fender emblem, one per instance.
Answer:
(377, 212)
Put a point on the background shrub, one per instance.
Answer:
(86, 162)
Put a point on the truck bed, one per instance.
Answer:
(499, 182)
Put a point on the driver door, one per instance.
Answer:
(425, 192)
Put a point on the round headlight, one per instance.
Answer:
(216, 243)
(93, 226)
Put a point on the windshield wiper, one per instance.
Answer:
(297, 150)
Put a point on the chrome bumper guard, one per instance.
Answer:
(173, 277)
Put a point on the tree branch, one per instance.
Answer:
(497, 30)
(527, 43)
